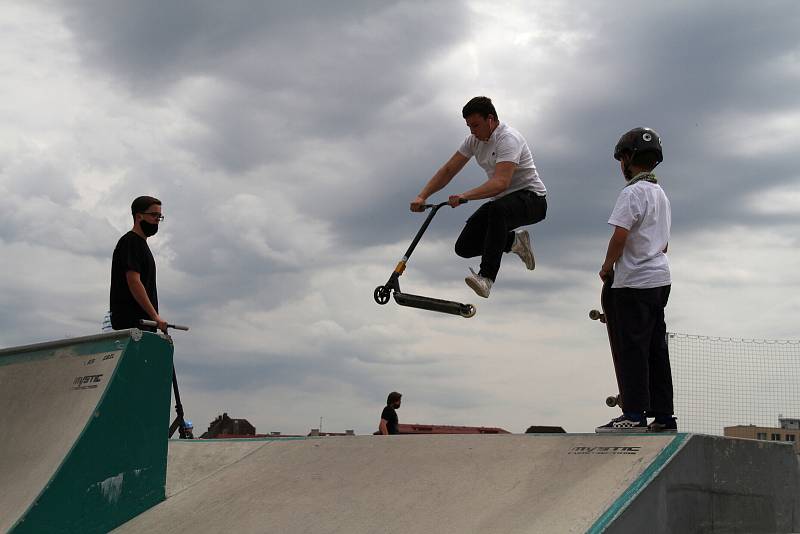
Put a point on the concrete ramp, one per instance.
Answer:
(84, 439)
(505, 483)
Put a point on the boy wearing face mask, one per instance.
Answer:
(133, 270)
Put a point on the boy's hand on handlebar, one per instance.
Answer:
(455, 201)
(418, 204)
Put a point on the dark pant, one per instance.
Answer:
(488, 232)
(643, 354)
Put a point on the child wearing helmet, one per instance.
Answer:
(637, 264)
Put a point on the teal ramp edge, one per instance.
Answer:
(117, 467)
(638, 485)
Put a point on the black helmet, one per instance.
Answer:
(637, 141)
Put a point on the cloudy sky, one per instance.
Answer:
(287, 139)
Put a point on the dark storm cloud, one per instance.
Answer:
(149, 44)
(309, 70)
(290, 85)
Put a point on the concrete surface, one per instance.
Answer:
(504, 483)
(190, 461)
(547, 483)
(718, 484)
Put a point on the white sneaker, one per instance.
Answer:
(522, 248)
(479, 284)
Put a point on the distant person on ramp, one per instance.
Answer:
(636, 262)
(133, 270)
(389, 420)
(513, 184)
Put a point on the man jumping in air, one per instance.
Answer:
(517, 194)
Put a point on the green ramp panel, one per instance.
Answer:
(116, 469)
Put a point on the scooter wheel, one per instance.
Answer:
(468, 310)
(382, 294)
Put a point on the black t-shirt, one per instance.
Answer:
(390, 415)
(131, 254)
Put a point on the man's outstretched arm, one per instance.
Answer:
(440, 179)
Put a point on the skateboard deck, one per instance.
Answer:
(607, 317)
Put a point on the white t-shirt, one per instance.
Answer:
(643, 209)
(505, 144)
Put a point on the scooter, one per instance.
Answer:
(179, 423)
(392, 287)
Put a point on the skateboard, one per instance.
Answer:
(607, 317)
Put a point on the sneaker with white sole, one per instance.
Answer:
(624, 424)
(522, 248)
(479, 284)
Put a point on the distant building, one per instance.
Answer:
(789, 423)
(224, 427)
(227, 426)
(545, 430)
(789, 431)
(316, 432)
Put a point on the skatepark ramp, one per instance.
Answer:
(546, 483)
(85, 449)
(84, 440)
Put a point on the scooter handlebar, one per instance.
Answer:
(429, 206)
(145, 322)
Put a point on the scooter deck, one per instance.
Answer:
(432, 304)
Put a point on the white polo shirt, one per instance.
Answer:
(505, 144)
(643, 209)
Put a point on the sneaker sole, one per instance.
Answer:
(526, 239)
(633, 430)
(475, 287)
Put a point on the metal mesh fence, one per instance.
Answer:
(721, 382)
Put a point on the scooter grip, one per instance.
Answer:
(145, 322)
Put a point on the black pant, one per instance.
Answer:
(488, 232)
(643, 354)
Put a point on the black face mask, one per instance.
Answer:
(149, 229)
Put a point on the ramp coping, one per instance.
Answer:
(638, 485)
(134, 333)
